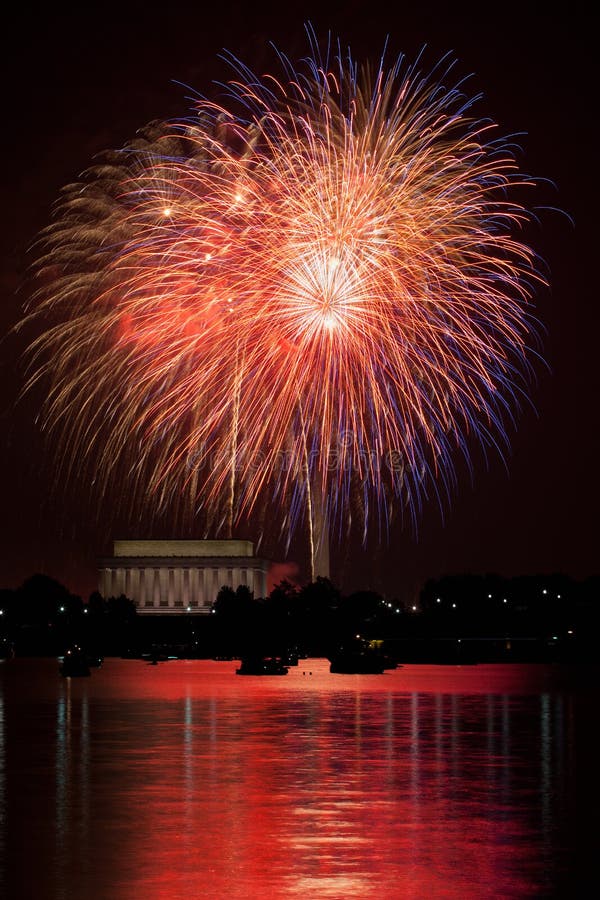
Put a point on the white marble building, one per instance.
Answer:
(171, 577)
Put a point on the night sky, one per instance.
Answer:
(78, 83)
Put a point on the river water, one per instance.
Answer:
(183, 780)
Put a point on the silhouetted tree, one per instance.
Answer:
(42, 600)
(234, 604)
(277, 617)
(237, 620)
(314, 612)
(96, 604)
(362, 611)
(121, 609)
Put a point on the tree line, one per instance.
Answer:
(43, 616)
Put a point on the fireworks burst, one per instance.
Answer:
(308, 289)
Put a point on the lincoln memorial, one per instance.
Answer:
(170, 577)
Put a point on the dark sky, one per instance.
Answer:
(76, 83)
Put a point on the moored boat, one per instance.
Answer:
(74, 664)
(94, 660)
(357, 662)
(360, 657)
(261, 665)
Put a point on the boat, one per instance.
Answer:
(377, 647)
(359, 657)
(357, 662)
(157, 653)
(261, 665)
(94, 660)
(74, 664)
(389, 662)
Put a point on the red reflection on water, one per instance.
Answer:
(184, 780)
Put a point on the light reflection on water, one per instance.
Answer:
(184, 780)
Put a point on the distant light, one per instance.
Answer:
(570, 631)
(454, 606)
(438, 600)
(505, 600)
(1, 612)
(189, 609)
(544, 591)
(62, 609)
(397, 610)
(558, 596)
(85, 610)
(489, 596)
(414, 608)
(554, 637)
